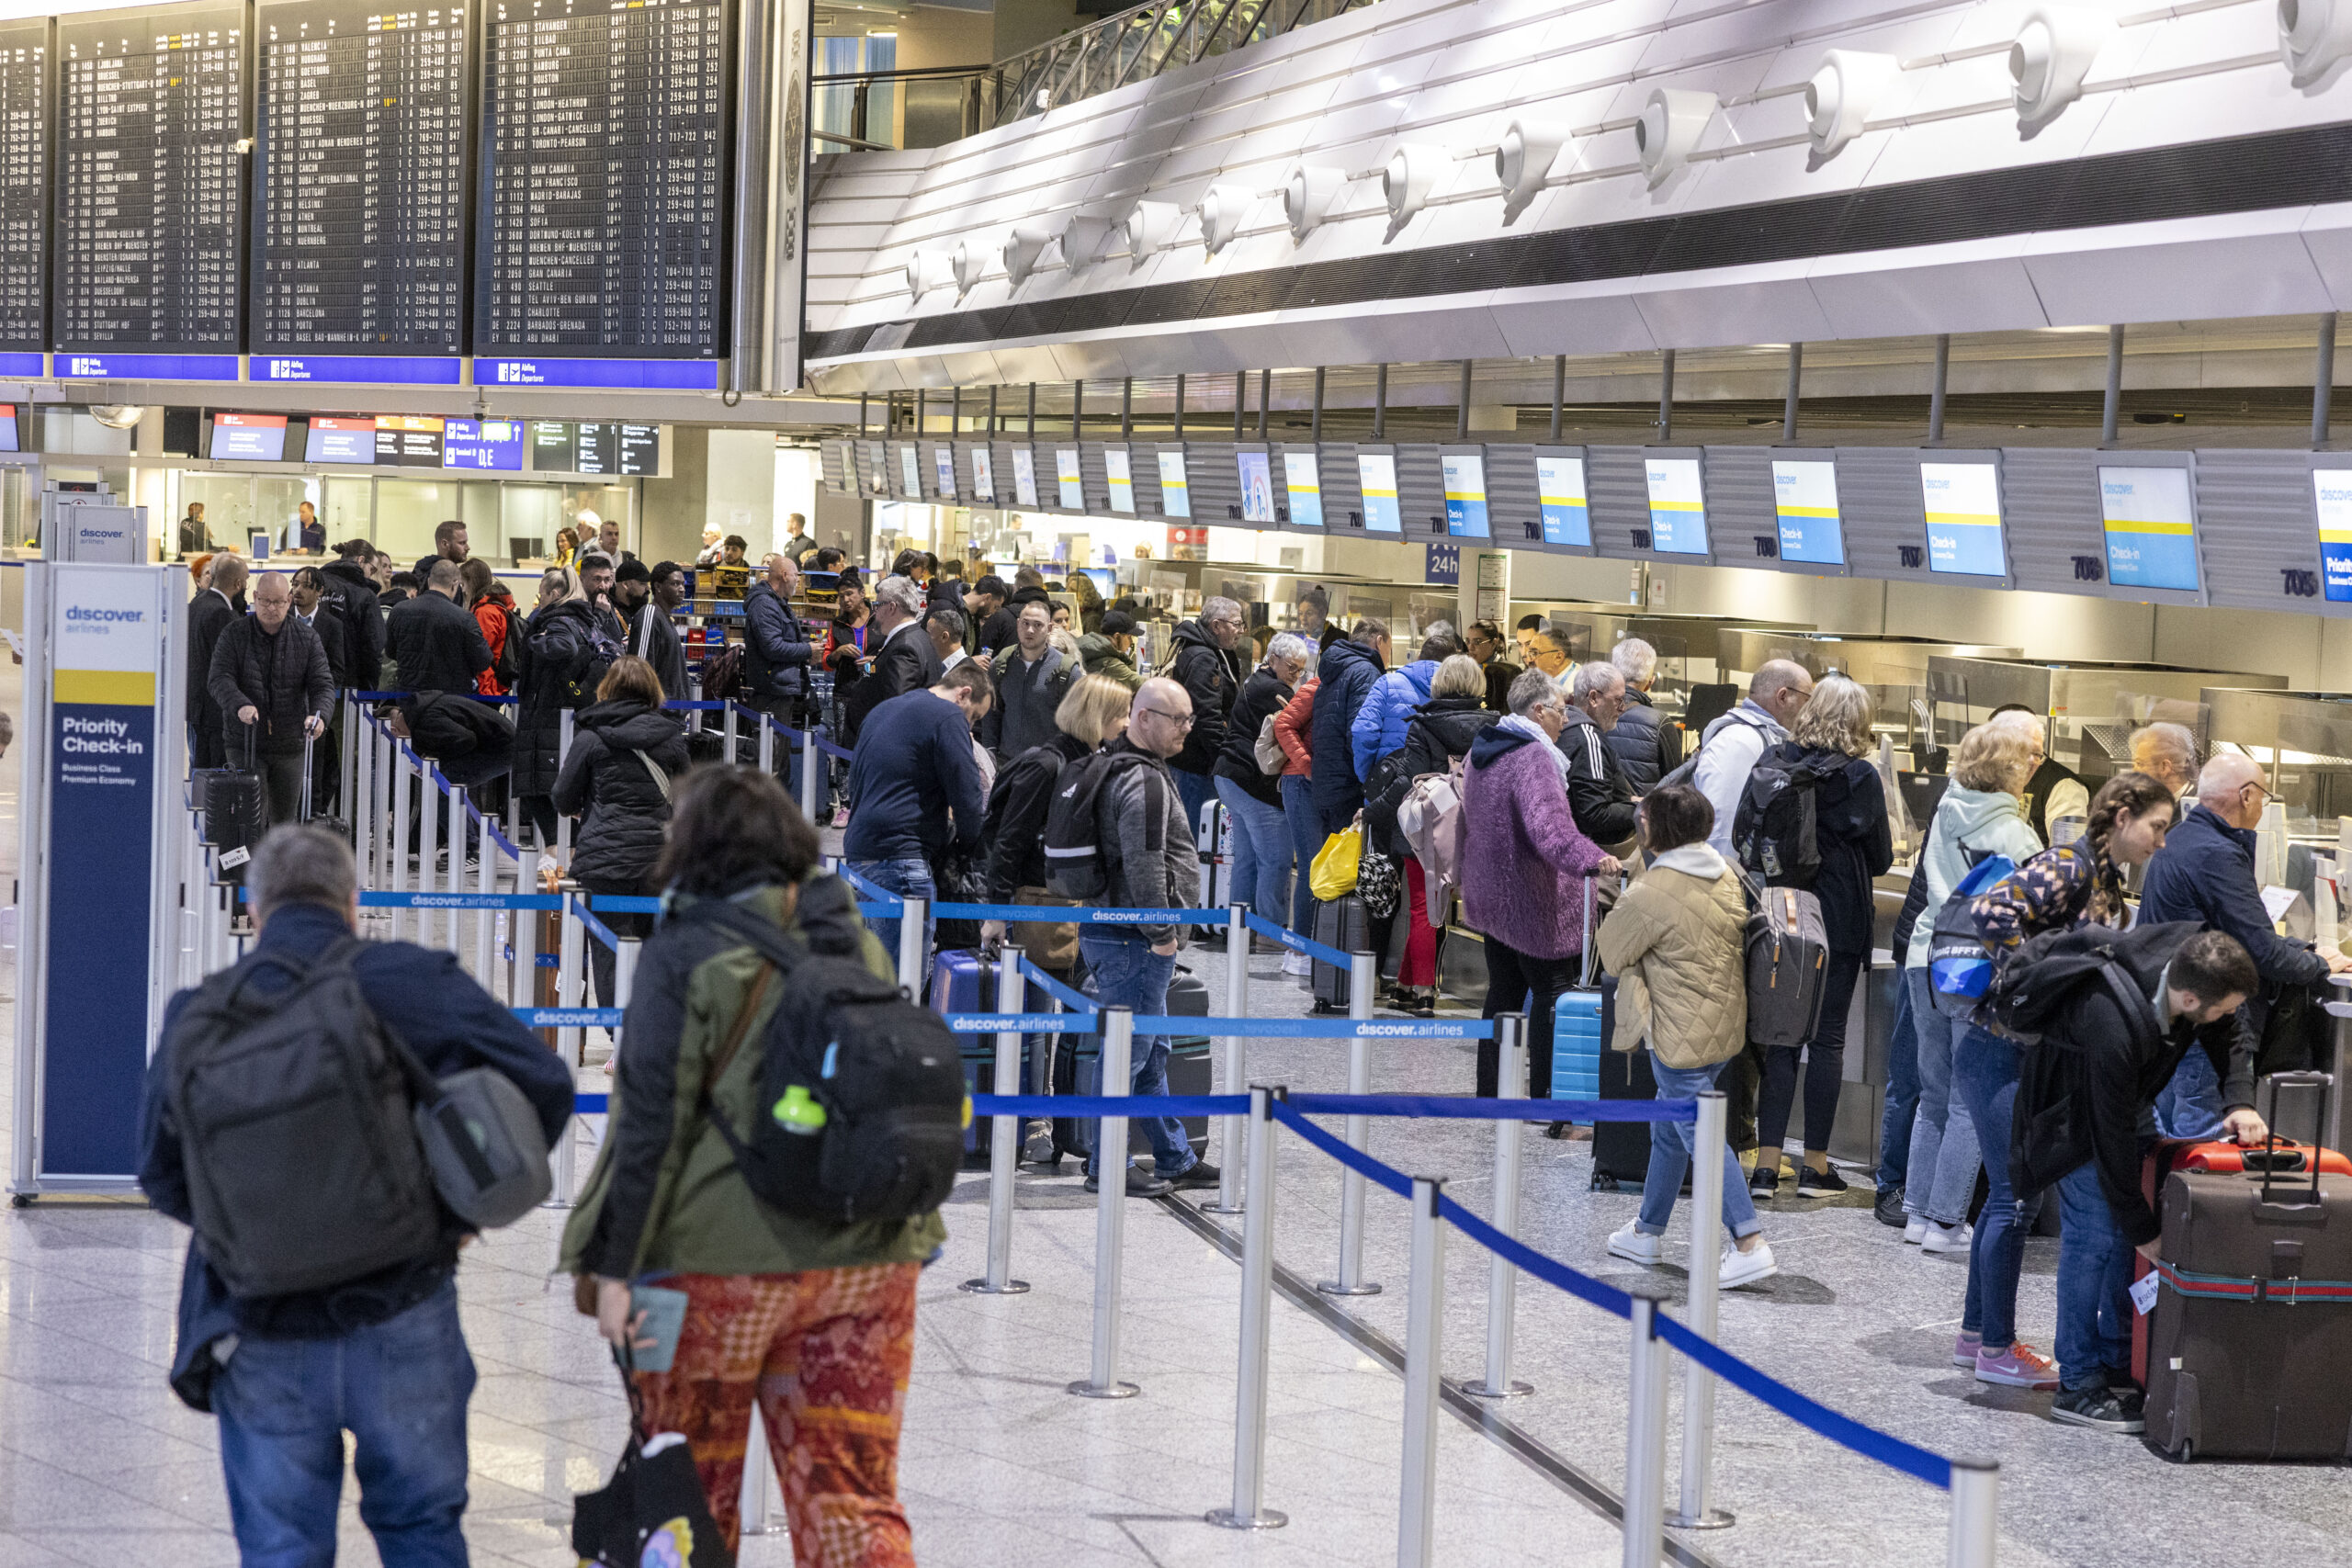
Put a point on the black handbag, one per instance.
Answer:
(652, 1514)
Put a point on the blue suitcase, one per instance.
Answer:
(1580, 1030)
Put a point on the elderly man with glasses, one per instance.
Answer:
(1598, 795)
(1209, 669)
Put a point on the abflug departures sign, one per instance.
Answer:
(105, 650)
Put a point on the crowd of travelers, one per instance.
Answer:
(1589, 842)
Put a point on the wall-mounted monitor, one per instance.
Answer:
(1678, 506)
(1175, 492)
(1303, 481)
(2331, 491)
(10, 441)
(1963, 505)
(1560, 492)
(983, 474)
(1376, 480)
(1256, 472)
(408, 440)
(1120, 478)
(2150, 528)
(248, 438)
(1465, 477)
(1804, 497)
(1025, 476)
(341, 438)
(492, 446)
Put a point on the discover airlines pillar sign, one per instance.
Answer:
(100, 893)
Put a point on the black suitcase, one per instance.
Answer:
(1621, 1150)
(1346, 924)
(236, 814)
(2249, 1346)
(1191, 1067)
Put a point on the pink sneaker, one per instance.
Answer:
(1964, 1349)
(2018, 1367)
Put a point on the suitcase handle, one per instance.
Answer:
(2324, 1083)
(1592, 880)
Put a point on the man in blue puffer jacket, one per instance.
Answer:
(1379, 727)
(1350, 669)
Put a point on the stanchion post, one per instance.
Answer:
(1110, 1208)
(1247, 1511)
(913, 916)
(625, 977)
(568, 1042)
(563, 751)
(396, 835)
(1424, 1356)
(1502, 1277)
(1645, 1442)
(1231, 1135)
(1363, 975)
(486, 928)
(1004, 1133)
(387, 767)
(428, 845)
(455, 881)
(1706, 1261)
(1975, 1536)
(522, 985)
(727, 729)
(767, 745)
(810, 761)
(759, 1481)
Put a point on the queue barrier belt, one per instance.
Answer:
(569, 1017)
(878, 894)
(596, 927)
(1077, 1002)
(1266, 1028)
(624, 904)
(1061, 917)
(429, 900)
(1870, 1443)
(831, 749)
(1297, 943)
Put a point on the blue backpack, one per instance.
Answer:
(1961, 964)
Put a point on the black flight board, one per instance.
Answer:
(360, 170)
(561, 447)
(24, 184)
(150, 193)
(603, 201)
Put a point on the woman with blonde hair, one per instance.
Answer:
(1981, 813)
(1828, 753)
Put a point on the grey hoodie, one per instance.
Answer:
(1975, 822)
(1157, 867)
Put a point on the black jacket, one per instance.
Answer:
(1599, 797)
(906, 662)
(777, 649)
(1026, 697)
(1647, 747)
(653, 637)
(1849, 829)
(2085, 1086)
(1349, 671)
(564, 655)
(1440, 730)
(326, 623)
(620, 837)
(1211, 676)
(441, 1015)
(208, 615)
(1016, 819)
(285, 676)
(363, 623)
(445, 727)
(999, 630)
(1261, 694)
(438, 645)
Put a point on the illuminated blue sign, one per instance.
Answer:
(644, 374)
(361, 370)
(147, 366)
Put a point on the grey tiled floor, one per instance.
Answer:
(99, 1465)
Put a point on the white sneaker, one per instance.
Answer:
(1915, 1230)
(1633, 1245)
(1299, 964)
(1944, 1239)
(1739, 1267)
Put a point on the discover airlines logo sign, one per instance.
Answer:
(106, 619)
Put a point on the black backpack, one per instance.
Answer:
(2033, 989)
(507, 668)
(864, 1090)
(1773, 830)
(1078, 857)
(294, 1113)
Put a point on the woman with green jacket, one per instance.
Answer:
(814, 1322)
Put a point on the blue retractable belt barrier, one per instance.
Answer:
(596, 927)
(1022, 1022)
(382, 900)
(1061, 917)
(624, 904)
(831, 749)
(404, 696)
(1296, 942)
(877, 894)
(569, 1017)
(1324, 1028)
(1465, 1108)
(590, 1104)
(1088, 1108)
(681, 706)
(1075, 1000)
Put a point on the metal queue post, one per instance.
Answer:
(1111, 1210)
(1700, 1315)
(913, 928)
(563, 755)
(1424, 1358)
(396, 831)
(1230, 1135)
(1004, 1133)
(524, 978)
(1645, 1519)
(1363, 975)
(810, 761)
(569, 967)
(1502, 1277)
(1247, 1511)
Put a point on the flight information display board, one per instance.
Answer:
(359, 237)
(24, 187)
(150, 192)
(560, 446)
(603, 216)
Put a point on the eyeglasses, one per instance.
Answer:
(1184, 723)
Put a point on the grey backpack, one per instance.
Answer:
(1788, 960)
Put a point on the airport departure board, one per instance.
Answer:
(602, 223)
(149, 203)
(24, 184)
(360, 179)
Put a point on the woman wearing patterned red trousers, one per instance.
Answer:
(813, 1322)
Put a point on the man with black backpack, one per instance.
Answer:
(320, 1291)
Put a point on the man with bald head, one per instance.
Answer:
(2205, 873)
(271, 684)
(217, 607)
(1727, 751)
(1150, 865)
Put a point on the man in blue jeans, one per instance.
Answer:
(380, 1356)
(2088, 1092)
(914, 791)
(1149, 864)
(1902, 1104)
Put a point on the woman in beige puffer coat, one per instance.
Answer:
(1676, 942)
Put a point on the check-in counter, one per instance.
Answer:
(2091, 708)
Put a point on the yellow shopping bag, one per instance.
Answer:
(1334, 872)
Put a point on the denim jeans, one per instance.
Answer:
(1825, 1064)
(2094, 1284)
(1128, 973)
(1195, 790)
(1943, 1139)
(1305, 839)
(399, 1388)
(2190, 1105)
(909, 878)
(1984, 1078)
(1671, 1144)
(1261, 852)
(1902, 1096)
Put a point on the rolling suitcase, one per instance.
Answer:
(1577, 1042)
(1621, 1150)
(1346, 924)
(2247, 1350)
(236, 813)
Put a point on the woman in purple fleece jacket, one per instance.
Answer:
(1523, 865)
